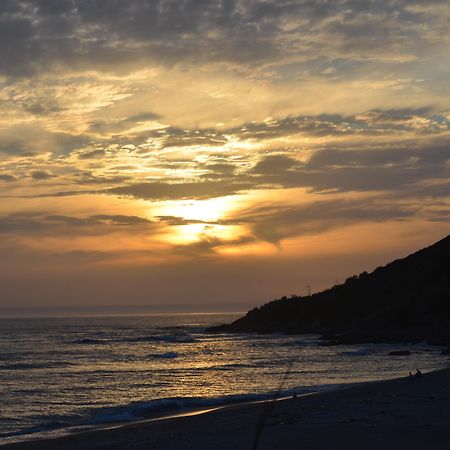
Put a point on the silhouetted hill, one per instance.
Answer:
(406, 300)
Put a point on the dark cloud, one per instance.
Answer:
(170, 191)
(400, 115)
(15, 147)
(381, 168)
(119, 219)
(217, 171)
(372, 122)
(143, 117)
(118, 125)
(275, 223)
(36, 34)
(436, 189)
(409, 153)
(87, 178)
(274, 164)
(177, 221)
(69, 225)
(33, 139)
(309, 125)
(7, 177)
(207, 245)
(41, 175)
(43, 107)
(106, 219)
(92, 154)
(177, 137)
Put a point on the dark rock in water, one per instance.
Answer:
(400, 353)
(407, 300)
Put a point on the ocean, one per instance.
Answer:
(59, 375)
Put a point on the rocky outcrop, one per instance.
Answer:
(406, 300)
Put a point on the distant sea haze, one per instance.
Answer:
(60, 373)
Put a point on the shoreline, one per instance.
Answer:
(402, 409)
(58, 433)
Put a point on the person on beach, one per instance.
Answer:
(418, 373)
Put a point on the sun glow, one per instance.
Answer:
(201, 220)
(217, 235)
(211, 210)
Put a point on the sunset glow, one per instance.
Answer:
(251, 146)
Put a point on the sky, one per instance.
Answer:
(191, 155)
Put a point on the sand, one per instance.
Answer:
(406, 413)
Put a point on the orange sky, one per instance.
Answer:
(159, 155)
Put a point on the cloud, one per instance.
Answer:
(41, 175)
(33, 138)
(88, 178)
(122, 124)
(379, 168)
(106, 34)
(7, 177)
(315, 114)
(92, 154)
(274, 164)
(177, 137)
(37, 224)
(177, 221)
(166, 191)
(15, 147)
(208, 245)
(119, 219)
(274, 223)
(43, 107)
(371, 123)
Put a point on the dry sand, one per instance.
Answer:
(406, 413)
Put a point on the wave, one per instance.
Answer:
(361, 352)
(31, 366)
(177, 338)
(134, 411)
(141, 410)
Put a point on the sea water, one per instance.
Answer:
(59, 374)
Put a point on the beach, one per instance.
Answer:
(404, 413)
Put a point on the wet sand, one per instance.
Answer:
(406, 413)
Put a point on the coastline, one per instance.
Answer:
(396, 414)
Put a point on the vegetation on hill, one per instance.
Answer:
(406, 300)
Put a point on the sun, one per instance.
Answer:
(210, 210)
(196, 220)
